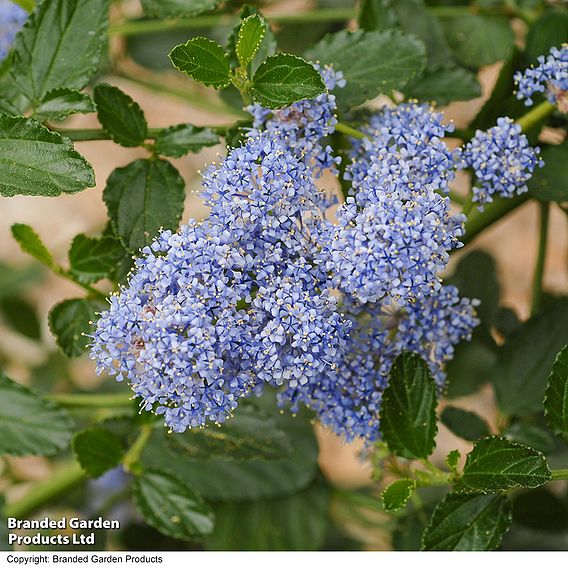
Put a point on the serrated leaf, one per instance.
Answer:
(521, 371)
(465, 522)
(549, 182)
(204, 60)
(60, 103)
(249, 38)
(480, 40)
(41, 64)
(21, 316)
(408, 411)
(496, 464)
(70, 321)
(143, 197)
(93, 259)
(372, 63)
(97, 450)
(284, 79)
(171, 506)
(464, 424)
(36, 161)
(177, 141)
(397, 494)
(556, 396)
(120, 116)
(29, 424)
(452, 460)
(31, 244)
(178, 8)
(531, 435)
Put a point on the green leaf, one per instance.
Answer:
(171, 506)
(60, 46)
(452, 460)
(530, 435)
(549, 182)
(178, 8)
(14, 279)
(21, 315)
(249, 38)
(373, 63)
(143, 197)
(250, 434)
(284, 79)
(464, 424)
(549, 30)
(177, 141)
(204, 60)
(97, 450)
(445, 85)
(523, 362)
(29, 424)
(408, 412)
(36, 161)
(556, 396)
(70, 321)
(93, 259)
(120, 116)
(296, 522)
(60, 103)
(541, 510)
(31, 244)
(464, 522)
(480, 40)
(397, 494)
(376, 15)
(496, 464)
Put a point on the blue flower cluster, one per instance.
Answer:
(502, 161)
(12, 18)
(550, 77)
(269, 291)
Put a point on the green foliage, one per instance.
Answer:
(178, 8)
(92, 259)
(30, 424)
(60, 103)
(549, 182)
(397, 494)
(171, 506)
(556, 396)
(97, 450)
(120, 116)
(22, 316)
(464, 424)
(31, 244)
(468, 522)
(496, 464)
(177, 141)
(452, 460)
(408, 412)
(143, 197)
(530, 435)
(35, 161)
(373, 63)
(549, 30)
(249, 38)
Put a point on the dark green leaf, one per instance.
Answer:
(21, 315)
(177, 141)
(549, 182)
(59, 103)
(452, 460)
(464, 424)
(507, 321)
(143, 197)
(376, 15)
(60, 46)
(31, 244)
(541, 510)
(178, 8)
(408, 413)
(97, 450)
(284, 79)
(397, 494)
(35, 161)
(120, 116)
(93, 259)
(531, 435)
(373, 63)
(70, 321)
(480, 40)
(171, 506)
(496, 464)
(297, 522)
(468, 522)
(556, 397)
(204, 61)
(249, 38)
(29, 424)
(549, 30)
(522, 366)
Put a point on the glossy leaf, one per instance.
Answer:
(92, 259)
(249, 38)
(177, 141)
(464, 424)
(397, 494)
(556, 396)
(97, 450)
(60, 103)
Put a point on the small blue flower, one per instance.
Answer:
(12, 18)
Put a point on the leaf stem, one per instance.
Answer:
(67, 275)
(535, 115)
(60, 482)
(541, 258)
(350, 131)
(132, 456)
(97, 400)
(560, 474)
